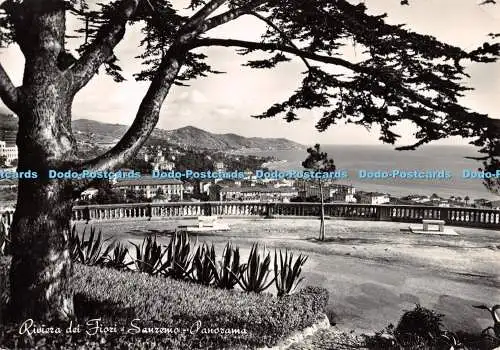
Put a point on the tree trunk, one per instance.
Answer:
(322, 213)
(41, 263)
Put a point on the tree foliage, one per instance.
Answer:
(318, 160)
(399, 76)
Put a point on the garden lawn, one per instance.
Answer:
(189, 316)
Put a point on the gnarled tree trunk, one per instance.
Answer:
(41, 263)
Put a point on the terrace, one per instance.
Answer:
(371, 269)
(465, 217)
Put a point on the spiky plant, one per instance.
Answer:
(287, 272)
(149, 256)
(89, 251)
(256, 271)
(178, 257)
(203, 271)
(117, 257)
(228, 269)
(73, 243)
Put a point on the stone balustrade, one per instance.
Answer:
(472, 217)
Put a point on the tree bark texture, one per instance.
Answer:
(41, 263)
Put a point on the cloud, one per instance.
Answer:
(224, 103)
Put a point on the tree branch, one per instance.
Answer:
(8, 92)
(101, 49)
(231, 15)
(203, 13)
(282, 34)
(196, 25)
(355, 67)
(149, 110)
(147, 116)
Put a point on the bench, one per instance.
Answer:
(439, 223)
(207, 221)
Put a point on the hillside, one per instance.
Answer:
(188, 136)
(193, 137)
(90, 133)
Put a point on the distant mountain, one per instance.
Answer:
(97, 132)
(90, 133)
(191, 136)
(188, 136)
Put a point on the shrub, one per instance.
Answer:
(421, 328)
(287, 272)
(228, 269)
(256, 271)
(203, 271)
(421, 322)
(120, 296)
(149, 256)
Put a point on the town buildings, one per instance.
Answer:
(373, 198)
(10, 152)
(252, 193)
(166, 189)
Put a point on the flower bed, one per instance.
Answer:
(175, 314)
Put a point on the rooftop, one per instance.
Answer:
(259, 189)
(146, 180)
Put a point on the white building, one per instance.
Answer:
(256, 194)
(9, 152)
(163, 165)
(374, 198)
(151, 187)
(89, 193)
(219, 166)
(342, 193)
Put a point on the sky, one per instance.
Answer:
(224, 103)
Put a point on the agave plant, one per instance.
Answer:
(149, 256)
(227, 270)
(117, 258)
(178, 256)
(495, 315)
(451, 341)
(73, 242)
(255, 272)
(89, 251)
(4, 238)
(203, 270)
(287, 272)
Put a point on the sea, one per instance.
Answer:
(355, 158)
